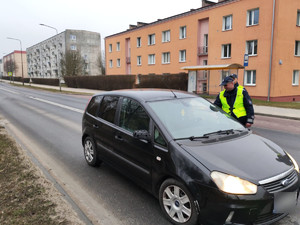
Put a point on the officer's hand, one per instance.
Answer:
(248, 125)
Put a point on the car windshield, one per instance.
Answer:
(192, 117)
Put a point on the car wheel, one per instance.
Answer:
(177, 203)
(90, 152)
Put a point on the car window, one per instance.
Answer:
(93, 105)
(133, 116)
(108, 108)
(158, 138)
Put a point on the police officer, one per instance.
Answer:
(235, 79)
(236, 101)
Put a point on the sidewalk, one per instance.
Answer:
(259, 110)
(277, 112)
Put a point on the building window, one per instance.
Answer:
(226, 51)
(139, 60)
(165, 58)
(298, 18)
(118, 46)
(227, 22)
(224, 74)
(252, 17)
(73, 47)
(182, 32)
(73, 37)
(118, 62)
(205, 43)
(250, 77)
(251, 47)
(151, 39)
(182, 55)
(151, 59)
(110, 63)
(297, 48)
(138, 42)
(166, 36)
(204, 71)
(110, 48)
(296, 77)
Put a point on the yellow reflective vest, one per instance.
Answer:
(238, 106)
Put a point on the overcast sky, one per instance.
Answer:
(20, 19)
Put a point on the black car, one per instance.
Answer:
(202, 165)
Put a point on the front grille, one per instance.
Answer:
(268, 218)
(277, 186)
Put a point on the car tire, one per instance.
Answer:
(90, 152)
(177, 203)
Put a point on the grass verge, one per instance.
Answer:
(26, 197)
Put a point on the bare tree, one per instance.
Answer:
(72, 64)
(101, 62)
(10, 66)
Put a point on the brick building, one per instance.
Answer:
(267, 31)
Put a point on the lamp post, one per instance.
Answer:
(21, 55)
(57, 55)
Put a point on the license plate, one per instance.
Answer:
(284, 202)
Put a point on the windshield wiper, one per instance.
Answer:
(230, 131)
(191, 138)
(219, 132)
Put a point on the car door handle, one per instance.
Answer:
(119, 138)
(95, 126)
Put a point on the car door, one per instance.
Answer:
(136, 156)
(104, 126)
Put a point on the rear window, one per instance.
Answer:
(93, 105)
(108, 108)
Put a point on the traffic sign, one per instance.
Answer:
(246, 58)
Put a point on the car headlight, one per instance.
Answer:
(233, 185)
(294, 162)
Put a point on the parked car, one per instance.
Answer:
(202, 165)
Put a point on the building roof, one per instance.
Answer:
(192, 11)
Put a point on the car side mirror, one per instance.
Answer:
(141, 135)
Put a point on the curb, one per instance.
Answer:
(277, 116)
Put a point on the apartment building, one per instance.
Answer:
(15, 62)
(44, 58)
(1, 68)
(266, 32)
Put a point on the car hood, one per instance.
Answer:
(250, 157)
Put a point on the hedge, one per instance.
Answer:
(115, 82)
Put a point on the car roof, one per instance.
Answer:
(147, 94)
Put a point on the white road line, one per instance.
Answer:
(57, 104)
(4, 89)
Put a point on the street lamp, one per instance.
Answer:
(49, 27)
(57, 55)
(21, 55)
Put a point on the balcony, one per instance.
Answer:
(128, 60)
(203, 51)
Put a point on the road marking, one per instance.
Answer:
(4, 89)
(57, 104)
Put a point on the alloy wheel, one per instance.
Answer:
(177, 204)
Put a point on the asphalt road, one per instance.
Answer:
(48, 125)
